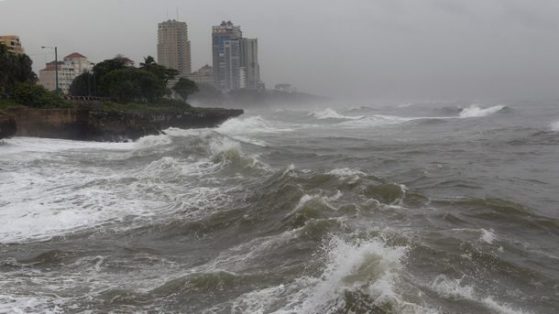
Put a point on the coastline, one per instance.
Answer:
(94, 124)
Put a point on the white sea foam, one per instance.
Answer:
(488, 236)
(323, 199)
(153, 140)
(249, 125)
(554, 126)
(28, 304)
(18, 145)
(346, 172)
(43, 200)
(376, 121)
(475, 111)
(367, 265)
(453, 288)
(355, 264)
(332, 114)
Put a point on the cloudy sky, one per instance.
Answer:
(401, 49)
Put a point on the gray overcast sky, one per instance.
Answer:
(400, 49)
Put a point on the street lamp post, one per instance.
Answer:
(55, 65)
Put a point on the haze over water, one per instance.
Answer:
(415, 208)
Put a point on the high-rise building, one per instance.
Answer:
(226, 50)
(13, 43)
(173, 47)
(249, 63)
(235, 59)
(72, 66)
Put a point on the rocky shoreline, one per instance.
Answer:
(90, 124)
(7, 126)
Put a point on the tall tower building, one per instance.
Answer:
(173, 46)
(226, 50)
(249, 63)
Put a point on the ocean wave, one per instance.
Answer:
(18, 145)
(455, 289)
(488, 236)
(346, 172)
(249, 125)
(358, 276)
(31, 304)
(153, 140)
(475, 111)
(554, 126)
(369, 266)
(375, 121)
(332, 114)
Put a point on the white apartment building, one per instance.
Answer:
(73, 65)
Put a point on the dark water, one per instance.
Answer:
(422, 208)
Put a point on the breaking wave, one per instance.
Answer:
(332, 114)
(475, 111)
(249, 125)
(46, 202)
(555, 126)
(455, 289)
(376, 120)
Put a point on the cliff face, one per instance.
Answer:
(7, 126)
(99, 125)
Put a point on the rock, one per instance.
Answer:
(8, 126)
(103, 125)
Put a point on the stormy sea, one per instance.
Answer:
(409, 208)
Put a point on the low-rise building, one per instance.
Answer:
(73, 65)
(13, 43)
(203, 76)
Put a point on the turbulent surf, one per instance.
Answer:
(415, 208)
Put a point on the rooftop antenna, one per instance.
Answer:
(177, 13)
(167, 14)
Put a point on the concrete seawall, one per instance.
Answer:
(100, 125)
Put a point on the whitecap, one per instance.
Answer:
(348, 266)
(249, 125)
(17, 145)
(475, 111)
(453, 288)
(376, 121)
(345, 172)
(332, 114)
(488, 236)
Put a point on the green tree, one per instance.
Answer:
(32, 95)
(102, 69)
(116, 79)
(163, 73)
(131, 84)
(185, 87)
(14, 69)
(83, 85)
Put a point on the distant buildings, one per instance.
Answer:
(13, 43)
(73, 65)
(250, 69)
(173, 46)
(285, 88)
(235, 59)
(226, 51)
(203, 76)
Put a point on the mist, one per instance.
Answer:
(382, 49)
